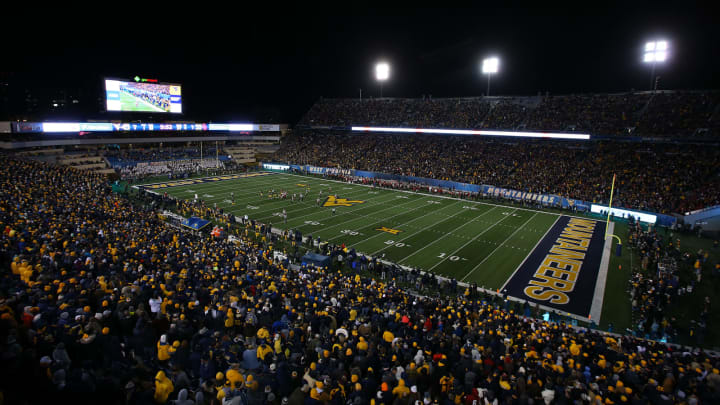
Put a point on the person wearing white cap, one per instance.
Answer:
(414, 397)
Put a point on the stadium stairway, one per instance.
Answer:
(94, 163)
(241, 154)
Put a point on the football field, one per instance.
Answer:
(129, 102)
(552, 259)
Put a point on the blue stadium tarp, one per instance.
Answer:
(314, 259)
(195, 223)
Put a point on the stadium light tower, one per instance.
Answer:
(655, 51)
(490, 66)
(382, 73)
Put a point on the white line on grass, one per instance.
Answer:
(263, 213)
(415, 233)
(306, 205)
(247, 196)
(317, 212)
(498, 247)
(224, 189)
(366, 216)
(439, 239)
(455, 198)
(470, 241)
(403, 224)
(601, 281)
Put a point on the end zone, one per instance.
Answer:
(562, 272)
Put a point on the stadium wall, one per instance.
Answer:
(708, 219)
(149, 139)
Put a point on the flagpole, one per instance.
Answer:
(612, 190)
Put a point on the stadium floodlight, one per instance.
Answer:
(655, 51)
(382, 73)
(490, 66)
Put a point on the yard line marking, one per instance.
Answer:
(360, 216)
(304, 206)
(248, 194)
(528, 255)
(600, 284)
(498, 247)
(403, 224)
(232, 187)
(439, 239)
(470, 241)
(262, 214)
(415, 233)
(454, 198)
(374, 204)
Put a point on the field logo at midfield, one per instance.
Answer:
(301, 185)
(388, 230)
(562, 270)
(333, 201)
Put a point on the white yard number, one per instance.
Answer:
(401, 196)
(469, 208)
(207, 196)
(227, 201)
(277, 214)
(433, 202)
(372, 192)
(252, 207)
(451, 258)
(349, 232)
(396, 244)
(510, 214)
(312, 223)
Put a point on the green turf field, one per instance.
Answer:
(472, 241)
(467, 240)
(127, 103)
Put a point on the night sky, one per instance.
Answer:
(251, 65)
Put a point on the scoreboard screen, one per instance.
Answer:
(143, 97)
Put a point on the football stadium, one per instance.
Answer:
(274, 240)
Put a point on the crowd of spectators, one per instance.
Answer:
(600, 114)
(101, 302)
(655, 177)
(451, 113)
(665, 274)
(157, 95)
(173, 168)
(130, 157)
(679, 114)
(662, 114)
